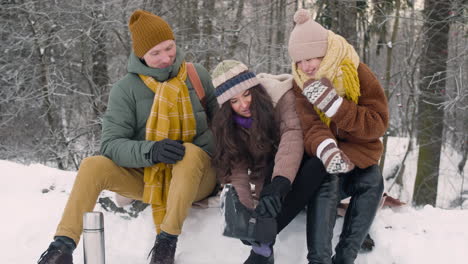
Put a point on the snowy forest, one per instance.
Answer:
(60, 58)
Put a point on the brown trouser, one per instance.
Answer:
(193, 179)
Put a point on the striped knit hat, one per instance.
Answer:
(231, 77)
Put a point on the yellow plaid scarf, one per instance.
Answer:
(171, 117)
(339, 66)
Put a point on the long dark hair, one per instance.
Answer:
(255, 147)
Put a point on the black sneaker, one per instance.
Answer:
(255, 258)
(163, 251)
(56, 254)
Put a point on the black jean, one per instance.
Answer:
(365, 186)
(321, 216)
(321, 193)
(317, 191)
(306, 184)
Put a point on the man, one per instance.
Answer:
(156, 143)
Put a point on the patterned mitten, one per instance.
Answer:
(335, 160)
(321, 94)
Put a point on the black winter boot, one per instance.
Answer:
(255, 258)
(163, 251)
(59, 252)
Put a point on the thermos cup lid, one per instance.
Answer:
(93, 221)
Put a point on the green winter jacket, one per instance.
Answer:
(129, 105)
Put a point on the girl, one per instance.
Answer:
(257, 130)
(343, 112)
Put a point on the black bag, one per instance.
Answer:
(242, 222)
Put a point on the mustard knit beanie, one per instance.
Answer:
(308, 39)
(148, 30)
(231, 77)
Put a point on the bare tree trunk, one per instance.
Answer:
(381, 12)
(209, 9)
(464, 140)
(281, 28)
(388, 73)
(192, 20)
(99, 73)
(154, 6)
(344, 20)
(462, 163)
(432, 87)
(49, 109)
(237, 23)
(270, 36)
(347, 17)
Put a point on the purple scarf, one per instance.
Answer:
(245, 122)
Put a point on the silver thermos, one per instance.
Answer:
(93, 238)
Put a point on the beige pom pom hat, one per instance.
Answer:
(308, 39)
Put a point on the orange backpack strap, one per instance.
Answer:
(196, 83)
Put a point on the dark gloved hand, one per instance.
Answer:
(271, 197)
(167, 151)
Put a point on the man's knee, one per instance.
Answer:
(193, 164)
(95, 167)
(193, 152)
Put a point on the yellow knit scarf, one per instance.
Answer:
(171, 117)
(339, 66)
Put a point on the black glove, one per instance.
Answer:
(167, 151)
(271, 197)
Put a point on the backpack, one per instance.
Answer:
(196, 83)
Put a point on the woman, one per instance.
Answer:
(256, 130)
(343, 112)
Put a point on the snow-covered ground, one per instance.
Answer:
(29, 217)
